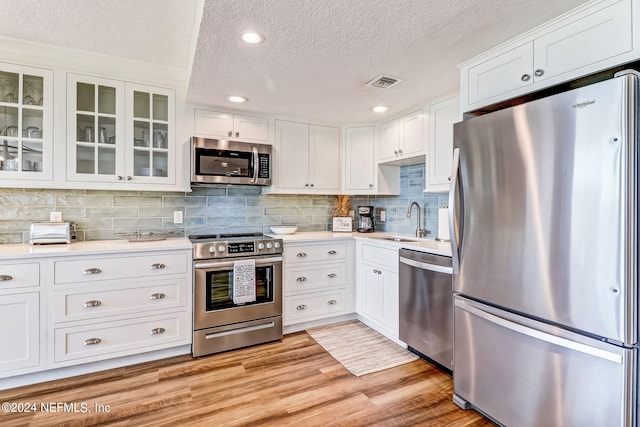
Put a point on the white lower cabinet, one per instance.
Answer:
(377, 288)
(318, 281)
(111, 306)
(19, 333)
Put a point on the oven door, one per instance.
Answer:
(213, 296)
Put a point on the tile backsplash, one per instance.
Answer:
(100, 214)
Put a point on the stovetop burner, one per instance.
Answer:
(226, 245)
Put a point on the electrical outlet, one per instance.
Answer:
(55, 216)
(383, 215)
(177, 217)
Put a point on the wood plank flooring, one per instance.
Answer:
(291, 382)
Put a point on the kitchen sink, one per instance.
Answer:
(398, 239)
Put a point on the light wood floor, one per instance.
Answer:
(292, 382)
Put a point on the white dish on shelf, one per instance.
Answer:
(284, 229)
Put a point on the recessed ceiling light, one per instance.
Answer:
(236, 98)
(381, 108)
(252, 37)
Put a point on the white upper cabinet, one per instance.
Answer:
(442, 115)
(217, 124)
(119, 132)
(359, 165)
(402, 139)
(26, 124)
(589, 39)
(308, 158)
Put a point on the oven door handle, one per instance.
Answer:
(223, 264)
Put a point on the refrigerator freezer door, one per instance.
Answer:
(543, 375)
(546, 210)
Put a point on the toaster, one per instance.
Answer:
(45, 233)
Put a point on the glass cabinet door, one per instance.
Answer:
(26, 117)
(150, 117)
(94, 129)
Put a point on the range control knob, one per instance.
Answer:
(269, 245)
(260, 246)
(221, 248)
(276, 245)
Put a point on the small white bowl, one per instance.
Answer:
(284, 229)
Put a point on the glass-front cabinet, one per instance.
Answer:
(26, 123)
(119, 132)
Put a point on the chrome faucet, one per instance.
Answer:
(419, 231)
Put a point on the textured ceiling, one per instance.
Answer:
(317, 54)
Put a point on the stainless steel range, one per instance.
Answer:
(237, 291)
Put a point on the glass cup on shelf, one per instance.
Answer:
(11, 97)
(29, 99)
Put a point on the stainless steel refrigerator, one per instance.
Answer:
(543, 216)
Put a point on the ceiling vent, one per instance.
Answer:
(384, 81)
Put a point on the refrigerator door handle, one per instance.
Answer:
(453, 186)
(543, 336)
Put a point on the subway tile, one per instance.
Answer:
(184, 201)
(21, 199)
(225, 221)
(137, 223)
(83, 200)
(218, 202)
(9, 238)
(10, 213)
(244, 191)
(136, 201)
(111, 212)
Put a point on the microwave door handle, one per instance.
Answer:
(255, 165)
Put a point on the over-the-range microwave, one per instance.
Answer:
(221, 161)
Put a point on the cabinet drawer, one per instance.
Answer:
(106, 339)
(132, 297)
(96, 269)
(310, 253)
(306, 278)
(314, 305)
(380, 256)
(19, 275)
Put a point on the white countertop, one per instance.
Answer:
(93, 247)
(423, 245)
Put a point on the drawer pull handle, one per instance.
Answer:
(89, 271)
(157, 331)
(158, 266)
(5, 277)
(332, 302)
(332, 275)
(301, 279)
(92, 341)
(301, 255)
(301, 307)
(332, 252)
(93, 303)
(157, 295)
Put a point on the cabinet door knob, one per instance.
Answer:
(301, 279)
(237, 134)
(90, 271)
(370, 185)
(538, 72)
(120, 177)
(157, 295)
(301, 307)
(5, 277)
(230, 133)
(332, 252)
(375, 271)
(395, 152)
(449, 178)
(332, 302)
(306, 185)
(92, 303)
(379, 271)
(332, 275)
(301, 255)
(400, 151)
(158, 266)
(525, 77)
(92, 341)
(157, 331)
(128, 178)
(310, 185)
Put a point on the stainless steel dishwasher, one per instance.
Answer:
(426, 305)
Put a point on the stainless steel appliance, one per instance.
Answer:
(220, 321)
(219, 161)
(426, 305)
(46, 233)
(543, 224)
(365, 220)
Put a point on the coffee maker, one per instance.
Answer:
(365, 222)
